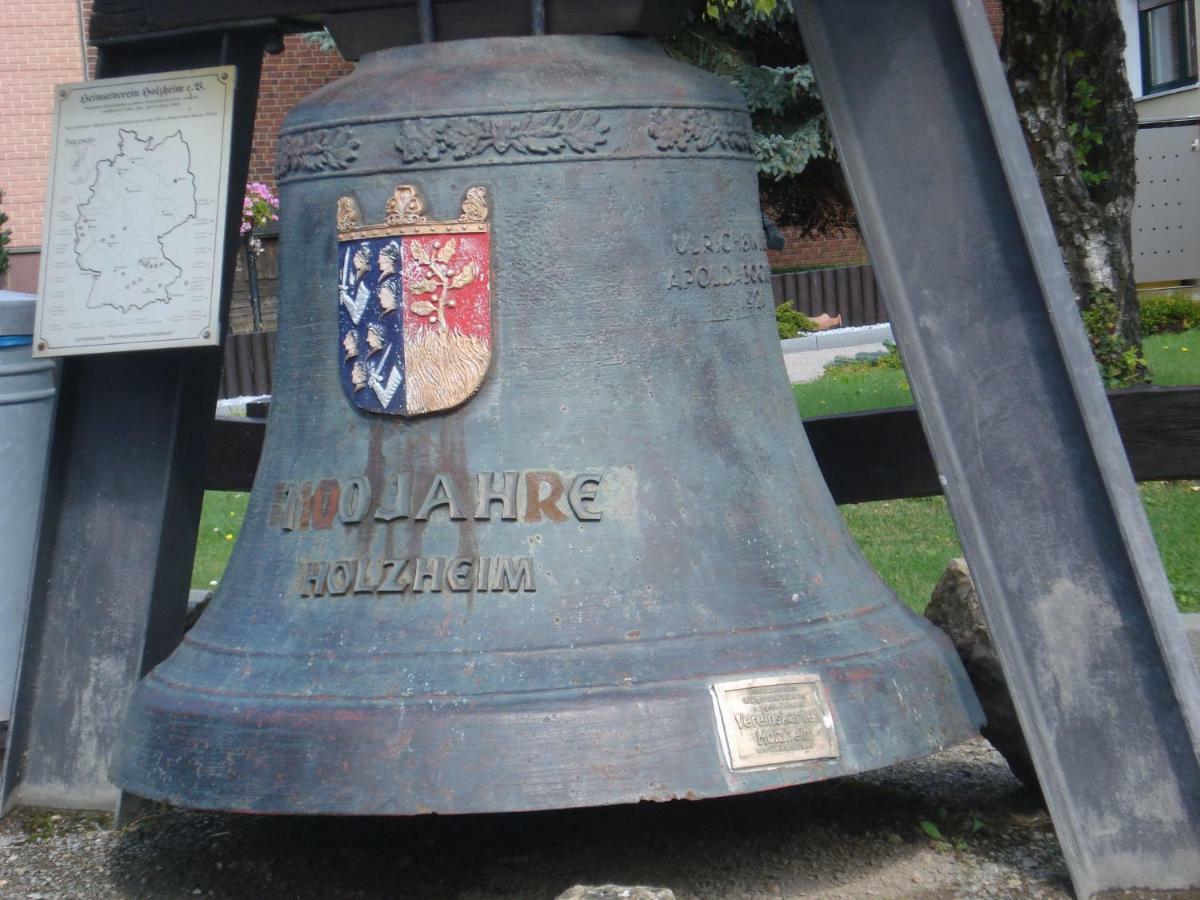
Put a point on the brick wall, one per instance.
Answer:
(845, 247)
(287, 78)
(836, 248)
(995, 14)
(39, 47)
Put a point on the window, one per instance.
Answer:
(1168, 44)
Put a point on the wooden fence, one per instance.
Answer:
(878, 455)
(882, 455)
(249, 364)
(849, 290)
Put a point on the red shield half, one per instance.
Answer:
(447, 318)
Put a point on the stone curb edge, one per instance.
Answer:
(839, 337)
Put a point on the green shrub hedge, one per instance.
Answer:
(791, 322)
(1168, 313)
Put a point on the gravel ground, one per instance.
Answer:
(850, 838)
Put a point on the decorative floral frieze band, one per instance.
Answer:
(323, 150)
(538, 134)
(551, 136)
(698, 130)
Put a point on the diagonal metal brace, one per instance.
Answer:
(1067, 571)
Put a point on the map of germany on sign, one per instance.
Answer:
(138, 198)
(134, 234)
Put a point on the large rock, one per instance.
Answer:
(615, 892)
(954, 608)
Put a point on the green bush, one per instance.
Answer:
(1168, 313)
(888, 358)
(791, 322)
(1121, 363)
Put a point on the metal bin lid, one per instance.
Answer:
(16, 314)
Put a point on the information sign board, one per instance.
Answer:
(135, 213)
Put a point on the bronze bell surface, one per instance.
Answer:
(536, 524)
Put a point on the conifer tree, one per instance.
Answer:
(1066, 70)
(5, 238)
(754, 45)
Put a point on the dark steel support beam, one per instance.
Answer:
(1041, 493)
(122, 506)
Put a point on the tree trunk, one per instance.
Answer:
(1066, 67)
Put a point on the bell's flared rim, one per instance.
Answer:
(546, 750)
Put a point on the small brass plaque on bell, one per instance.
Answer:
(774, 721)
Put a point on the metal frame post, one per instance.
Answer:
(1049, 516)
(122, 505)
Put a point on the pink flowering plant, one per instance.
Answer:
(259, 207)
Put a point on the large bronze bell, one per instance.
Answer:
(536, 524)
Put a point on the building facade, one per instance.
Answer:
(1160, 57)
(1161, 62)
(41, 45)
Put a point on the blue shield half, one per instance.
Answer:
(371, 323)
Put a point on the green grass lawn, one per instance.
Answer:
(1173, 508)
(220, 522)
(852, 389)
(1174, 358)
(908, 541)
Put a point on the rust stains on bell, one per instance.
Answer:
(536, 524)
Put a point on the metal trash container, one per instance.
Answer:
(27, 388)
